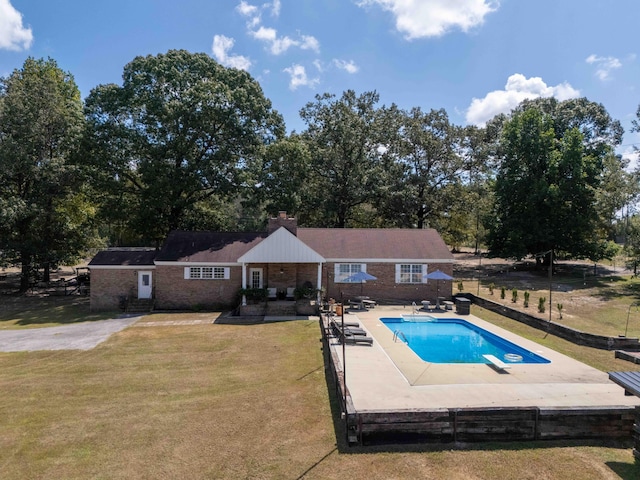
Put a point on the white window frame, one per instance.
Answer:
(342, 271)
(415, 275)
(207, 273)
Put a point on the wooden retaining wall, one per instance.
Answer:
(506, 424)
(562, 331)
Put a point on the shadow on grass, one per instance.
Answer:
(626, 471)
(48, 310)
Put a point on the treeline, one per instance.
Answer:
(185, 143)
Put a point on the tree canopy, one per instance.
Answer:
(45, 218)
(552, 160)
(178, 132)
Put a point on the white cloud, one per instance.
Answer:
(632, 155)
(275, 8)
(517, 89)
(349, 67)
(433, 18)
(13, 35)
(310, 43)
(247, 9)
(299, 77)
(604, 65)
(221, 47)
(277, 45)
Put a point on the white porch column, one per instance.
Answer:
(319, 282)
(244, 282)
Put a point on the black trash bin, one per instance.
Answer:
(463, 306)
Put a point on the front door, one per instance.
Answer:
(255, 278)
(144, 285)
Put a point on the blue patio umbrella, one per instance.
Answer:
(360, 277)
(437, 275)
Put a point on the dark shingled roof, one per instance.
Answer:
(181, 246)
(383, 243)
(124, 257)
(331, 243)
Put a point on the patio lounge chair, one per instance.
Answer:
(337, 329)
(355, 340)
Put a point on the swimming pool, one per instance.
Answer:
(453, 340)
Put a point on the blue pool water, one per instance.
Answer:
(452, 340)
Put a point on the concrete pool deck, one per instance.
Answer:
(388, 376)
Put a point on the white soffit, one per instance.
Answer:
(281, 247)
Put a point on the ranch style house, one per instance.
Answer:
(207, 270)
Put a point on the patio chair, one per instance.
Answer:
(290, 293)
(356, 340)
(337, 328)
(273, 293)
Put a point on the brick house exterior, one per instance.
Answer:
(207, 269)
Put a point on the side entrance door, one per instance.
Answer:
(144, 284)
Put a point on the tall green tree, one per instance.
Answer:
(282, 178)
(176, 138)
(426, 151)
(344, 137)
(45, 211)
(550, 169)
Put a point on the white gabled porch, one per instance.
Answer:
(284, 262)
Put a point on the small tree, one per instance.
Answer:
(541, 304)
(514, 295)
(526, 299)
(491, 287)
(460, 286)
(560, 310)
(503, 292)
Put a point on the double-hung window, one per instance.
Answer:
(410, 272)
(345, 270)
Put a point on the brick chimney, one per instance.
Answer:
(282, 220)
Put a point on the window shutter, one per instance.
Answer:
(397, 273)
(424, 272)
(227, 273)
(187, 273)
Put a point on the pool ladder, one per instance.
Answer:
(399, 335)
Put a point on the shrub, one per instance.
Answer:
(503, 292)
(526, 299)
(491, 287)
(254, 295)
(541, 304)
(514, 295)
(460, 286)
(560, 306)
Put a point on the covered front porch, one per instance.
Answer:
(286, 268)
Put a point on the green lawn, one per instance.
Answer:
(227, 401)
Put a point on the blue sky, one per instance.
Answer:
(474, 58)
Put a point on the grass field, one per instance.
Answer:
(165, 400)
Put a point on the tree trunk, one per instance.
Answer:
(25, 273)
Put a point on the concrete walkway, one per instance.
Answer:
(80, 336)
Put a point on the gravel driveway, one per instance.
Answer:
(81, 336)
